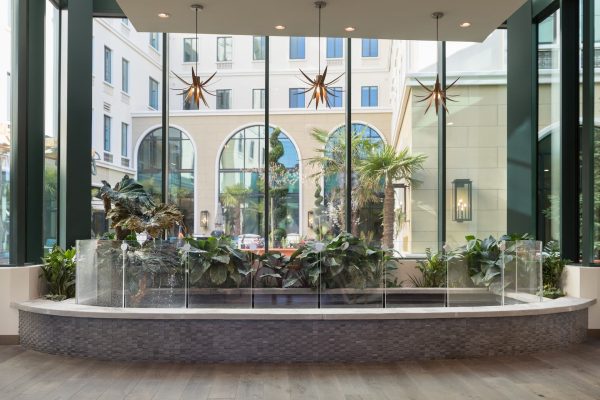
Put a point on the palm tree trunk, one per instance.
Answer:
(237, 220)
(388, 214)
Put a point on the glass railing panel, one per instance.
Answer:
(416, 282)
(154, 275)
(523, 271)
(99, 273)
(351, 273)
(219, 275)
(287, 278)
(475, 273)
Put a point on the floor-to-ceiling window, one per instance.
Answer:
(548, 152)
(51, 64)
(6, 113)
(126, 83)
(182, 156)
(476, 138)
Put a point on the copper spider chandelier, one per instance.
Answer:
(438, 95)
(319, 87)
(197, 89)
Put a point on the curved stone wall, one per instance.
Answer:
(283, 340)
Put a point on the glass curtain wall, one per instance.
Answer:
(548, 174)
(51, 64)
(307, 197)
(126, 96)
(596, 52)
(417, 129)
(476, 135)
(6, 19)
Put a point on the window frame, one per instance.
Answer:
(370, 89)
(296, 92)
(108, 52)
(218, 97)
(262, 47)
(193, 44)
(107, 137)
(228, 45)
(124, 75)
(295, 46)
(124, 139)
(336, 46)
(367, 51)
(152, 81)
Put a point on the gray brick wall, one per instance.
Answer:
(288, 341)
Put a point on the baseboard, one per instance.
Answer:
(9, 340)
(594, 333)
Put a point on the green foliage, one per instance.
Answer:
(131, 209)
(433, 270)
(277, 271)
(484, 258)
(345, 262)
(214, 263)
(279, 188)
(58, 272)
(552, 270)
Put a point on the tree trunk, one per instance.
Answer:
(237, 220)
(388, 214)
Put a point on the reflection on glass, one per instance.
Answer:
(181, 170)
(51, 56)
(5, 118)
(548, 174)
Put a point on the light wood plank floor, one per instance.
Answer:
(572, 374)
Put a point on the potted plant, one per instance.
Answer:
(154, 274)
(58, 272)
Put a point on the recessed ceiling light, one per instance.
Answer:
(350, 29)
(279, 27)
(163, 15)
(465, 24)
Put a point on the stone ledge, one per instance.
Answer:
(70, 309)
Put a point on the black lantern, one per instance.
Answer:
(462, 200)
(204, 219)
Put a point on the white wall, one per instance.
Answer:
(16, 284)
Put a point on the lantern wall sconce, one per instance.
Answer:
(462, 200)
(311, 219)
(204, 219)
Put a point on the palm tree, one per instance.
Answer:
(233, 197)
(330, 161)
(388, 166)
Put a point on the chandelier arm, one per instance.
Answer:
(453, 83)
(180, 78)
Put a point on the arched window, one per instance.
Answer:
(241, 183)
(181, 170)
(367, 205)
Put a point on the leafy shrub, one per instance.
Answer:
(433, 270)
(58, 271)
(552, 270)
(345, 262)
(215, 263)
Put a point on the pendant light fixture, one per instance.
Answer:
(437, 95)
(320, 89)
(197, 88)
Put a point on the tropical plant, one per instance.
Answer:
(278, 271)
(58, 272)
(213, 262)
(552, 270)
(330, 163)
(433, 270)
(345, 262)
(131, 209)
(388, 166)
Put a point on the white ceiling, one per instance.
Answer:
(384, 19)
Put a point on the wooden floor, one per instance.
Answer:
(573, 374)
